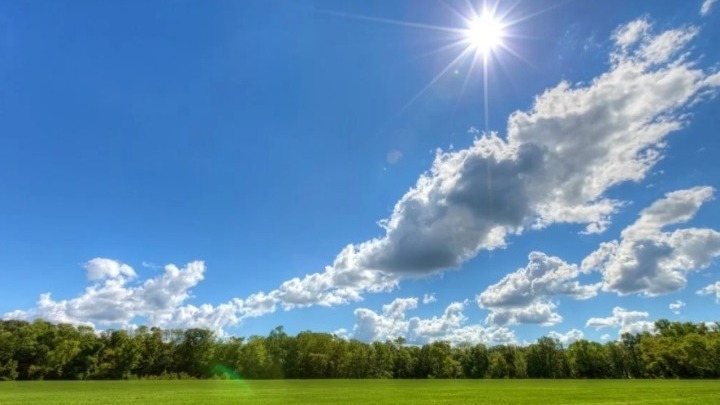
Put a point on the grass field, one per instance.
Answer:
(363, 392)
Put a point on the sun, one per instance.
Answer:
(484, 33)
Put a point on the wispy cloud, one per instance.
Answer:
(712, 289)
(429, 298)
(676, 306)
(706, 7)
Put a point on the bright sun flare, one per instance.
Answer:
(485, 33)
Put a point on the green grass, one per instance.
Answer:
(363, 392)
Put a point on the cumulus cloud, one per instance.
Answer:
(650, 261)
(524, 296)
(706, 7)
(337, 285)
(389, 324)
(712, 289)
(110, 300)
(568, 337)
(543, 313)
(645, 260)
(100, 268)
(429, 298)
(676, 306)
(206, 316)
(392, 323)
(554, 165)
(624, 320)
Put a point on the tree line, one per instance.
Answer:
(40, 350)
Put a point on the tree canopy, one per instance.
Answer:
(40, 350)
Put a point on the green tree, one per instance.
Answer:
(588, 360)
(474, 360)
(544, 359)
(195, 352)
(120, 355)
(498, 366)
(8, 364)
(437, 361)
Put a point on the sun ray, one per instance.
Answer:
(516, 54)
(469, 73)
(392, 22)
(486, 33)
(454, 10)
(485, 92)
(526, 17)
(441, 49)
(435, 79)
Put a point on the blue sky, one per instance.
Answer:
(361, 168)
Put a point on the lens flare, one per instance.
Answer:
(485, 33)
(228, 373)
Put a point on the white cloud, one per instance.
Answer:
(646, 260)
(169, 290)
(259, 304)
(555, 165)
(568, 337)
(662, 47)
(162, 300)
(676, 306)
(100, 268)
(540, 312)
(429, 298)
(524, 296)
(150, 265)
(631, 33)
(109, 300)
(335, 286)
(712, 289)
(626, 321)
(390, 324)
(437, 327)
(450, 326)
(342, 333)
(650, 261)
(475, 334)
(206, 316)
(605, 336)
(706, 7)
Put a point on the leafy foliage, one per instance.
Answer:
(45, 351)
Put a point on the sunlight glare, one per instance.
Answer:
(485, 33)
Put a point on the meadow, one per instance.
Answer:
(362, 392)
